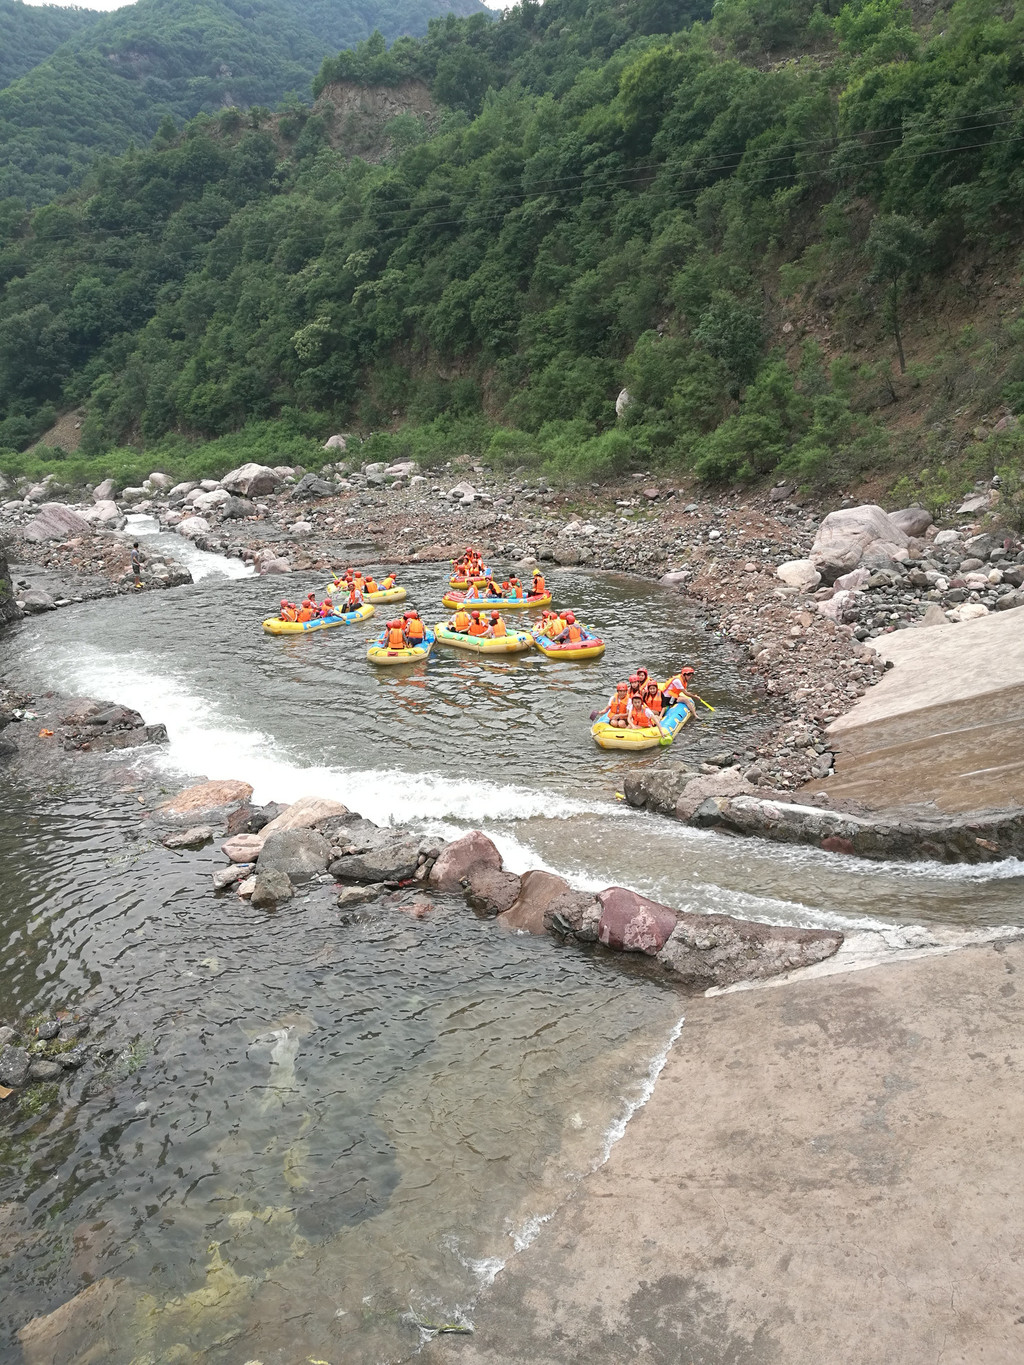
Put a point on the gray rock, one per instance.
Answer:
(912, 521)
(297, 853)
(272, 887)
(981, 546)
(574, 912)
(359, 895)
(14, 1064)
(73, 1058)
(844, 537)
(45, 1071)
(104, 492)
(48, 1029)
(491, 892)
(392, 859)
(189, 838)
(457, 860)
(657, 789)
(35, 600)
(715, 950)
(8, 1035)
(237, 509)
(309, 487)
(251, 480)
(56, 522)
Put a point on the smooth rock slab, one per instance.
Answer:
(304, 814)
(715, 950)
(56, 522)
(632, 923)
(298, 853)
(537, 891)
(242, 848)
(207, 798)
(657, 789)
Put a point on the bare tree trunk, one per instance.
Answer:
(896, 327)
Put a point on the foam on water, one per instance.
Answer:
(201, 564)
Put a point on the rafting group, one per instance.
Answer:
(642, 713)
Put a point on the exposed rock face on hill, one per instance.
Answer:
(8, 607)
(358, 115)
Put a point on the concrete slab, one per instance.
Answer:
(827, 1172)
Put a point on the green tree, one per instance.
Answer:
(897, 247)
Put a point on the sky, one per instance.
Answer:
(119, 4)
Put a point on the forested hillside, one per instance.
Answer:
(29, 33)
(123, 74)
(793, 236)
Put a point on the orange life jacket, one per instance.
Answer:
(655, 704)
(477, 628)
(640, 716)
(396, 638)
(305, 615)
(618, 708)
(498, 628)
(575, 635)
(354, 600)
(538, 585)
(519, 592)
(461, 621)
(370, 585)
(414, 630)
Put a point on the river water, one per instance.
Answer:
(314, 1138)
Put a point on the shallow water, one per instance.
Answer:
(310, 1134)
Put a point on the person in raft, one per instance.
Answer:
(653, 699)
(618, 707)
(415, 631)
(289, 610)
(460, 622)
(572, 633)
(496, 629)
(677, 689)
(476, 625)
(538, 584)
(395, 635)
(517, 589)
(355, 599)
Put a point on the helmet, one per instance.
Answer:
(634, 677)
(641, 673)
(284, 601)
(688, 670)
(570, 619)
(622, 687)
(495, 616)
(475, 615)
(413, 615)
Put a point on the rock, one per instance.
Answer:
(657, 789)
(674, 578)
(272, 887)
(359, 895)
(714, 950)
(56, 522)
(14, 1064)
(566, 555)
(207, 799)
(190, 527)
(782, 492)
(980, 502)
(834, 608)
(243, 848)
(844, 537)
(188, 838)
(632, 923)
(202, 503)
(970, 611)
(947, 538)
(309, 487)
(980, 546)
(491, 892)
(726, 782)
(336, 442)
(458, 859)
(45, 1071)
(160, 481)
(246, 887)
(853, 581)
(461, 492)
(418, 909)
(1014, 575)
(527, 911)
(229, 876)
(270, 563)
(1008, 602)
(103, 513)
(622, 402)
(251, 480)
(798, 573)
(304, 814)
(574, 912)
(237, 509)
(394, 859)
(47, 1030)
(8, 1035)
(103, 492)
(933, 616)
(300, 853)
(912, 521)
(35, 600)
(73, 1058)
(77, 1330)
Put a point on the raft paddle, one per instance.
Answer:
(703, 702)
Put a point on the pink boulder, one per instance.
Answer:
(242, 848)
(457, 860)
(632, 923)
(536, 893)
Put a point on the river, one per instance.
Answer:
(316, 1138)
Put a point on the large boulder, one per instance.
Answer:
(207, 802)
(251, 480)
(56, 522)
(104, 512)
(536, 893)
(714, 950)
(304, 814)
(104, 492)
(457, 860)
(190, 527)
(237, 509)
(491, 892)
(36, 600)
(799, 573)
(242, 848)
(657, 789)
(726, 782)
(632, 923)
(300, 853)
(845, 535)
(393, 858)
(912, 521)
(205, 503)
(574, 912)
(310, 487)
(336, 442)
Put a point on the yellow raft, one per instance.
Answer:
(515, 642)
(395, 594)
(275, 626)
(648, 737)
(480, 580)
(459, 599)
(590, 647)
(379, 653)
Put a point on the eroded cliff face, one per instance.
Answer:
(358, 116)
(9, 610)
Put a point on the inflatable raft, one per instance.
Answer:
(275, 626)
(479, 580)
(459, 599)
(590, 647)
(378, 653)
(648, 737)
(395, 594)
(515, 642)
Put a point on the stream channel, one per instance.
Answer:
(317, 1138)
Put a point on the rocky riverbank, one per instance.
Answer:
(800, 589)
